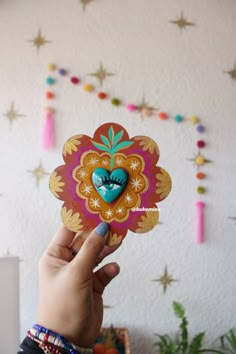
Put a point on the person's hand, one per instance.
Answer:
(70, 291)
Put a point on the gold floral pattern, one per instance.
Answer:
(71, 145)
(163, 183)
(149, 220)
(114, 239)
(148, 144)
(72, 221)
(55, 184)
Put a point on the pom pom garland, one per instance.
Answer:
(142, 109)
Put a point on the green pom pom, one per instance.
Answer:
(115, 102)
(201, 190)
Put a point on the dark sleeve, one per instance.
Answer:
(29, 347)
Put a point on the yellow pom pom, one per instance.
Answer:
(51, 67)
(88, 88)
(194, 119)
(199, 160)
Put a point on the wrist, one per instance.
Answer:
(49, 340)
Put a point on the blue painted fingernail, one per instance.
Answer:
(102, 229)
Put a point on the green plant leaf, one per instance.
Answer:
(178, 309)
(118, 136)
(196, 343)
(111, 134)
(100, 146)
(122, 145)
(105, 140)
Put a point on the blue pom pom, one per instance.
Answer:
(50, 80)
(178, 118)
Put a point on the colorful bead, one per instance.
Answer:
(62, 72)
(201, 190)
(131, 107)
(101, 95)
(50, 110)
(115, 102)
(74, 80)
(146, 112)
(49, 95)
(88, 88)
(200, 175)
(51, 67)
(194, 119)
(162, 115)
(200, 128)
(50, 80)
(201, 143)
(199, 160)
(178, 118)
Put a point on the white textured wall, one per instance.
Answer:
(179, 71)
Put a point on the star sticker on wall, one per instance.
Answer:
(232, 72)
(39, 40)
(12, 114)
(232, 218)
(85, 3)
(101, 74)
(145, 109)
(165, 280)
(39, 172)
(199, 160)
(182, 22)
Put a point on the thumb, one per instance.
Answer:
(87, 256)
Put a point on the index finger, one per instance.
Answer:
(62, 238)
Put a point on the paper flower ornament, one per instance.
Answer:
(112, 178)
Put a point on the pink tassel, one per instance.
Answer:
(47, 141)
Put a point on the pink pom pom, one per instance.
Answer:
(130, 107)
(47, 140)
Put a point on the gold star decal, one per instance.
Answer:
(145, 109)
(107, 307)
(39, 40)
(39, 173)
(232, 72)
(165, 280)
(85, 3)
(199, 160)
(12, 114)
(101, 74)
(232, 218)
(182, 22)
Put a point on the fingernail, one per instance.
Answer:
(102, 229)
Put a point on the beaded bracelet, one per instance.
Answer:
(53, 343)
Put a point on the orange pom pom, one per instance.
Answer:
(49, 95)
(99, 349)
(200, 175)
(162, 115)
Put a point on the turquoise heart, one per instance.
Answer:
(109, 185)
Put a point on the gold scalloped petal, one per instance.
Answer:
(147, 144)
(56, 184)
(114, 239)
(149, 221)
(72, 221)
(163, 183)
(71, 145)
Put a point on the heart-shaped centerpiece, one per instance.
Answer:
(108, 184)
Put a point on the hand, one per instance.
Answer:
(70, 292)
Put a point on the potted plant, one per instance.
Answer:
(181, 343)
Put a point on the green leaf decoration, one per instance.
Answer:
(118, 136)
(105, 140)
(178, 309)
(101, 146)
(122, 145)
(111, 134)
